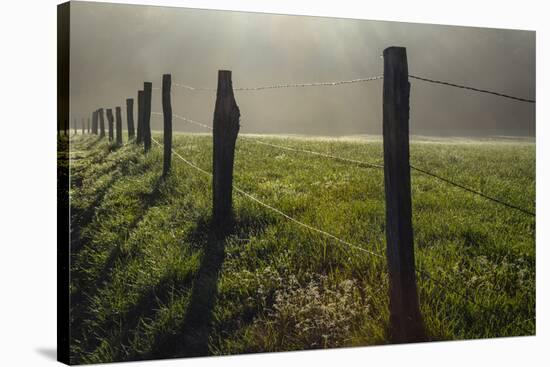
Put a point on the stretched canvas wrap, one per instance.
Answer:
(234, 182)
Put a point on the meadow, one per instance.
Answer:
(150, 278)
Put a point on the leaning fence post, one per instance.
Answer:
(226, 129)
(118, 125)
(110, 120)
(405, 318)
(101, 123)
(139, 137)
(147, 90)
(130, 117)
(167, 113)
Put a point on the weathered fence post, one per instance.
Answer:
(226, 129)
(110, 120)
(101, 123)
(139, 137)
(147, 91)
(118, 125)
(167, 113)
(130, 117)
(405, 318)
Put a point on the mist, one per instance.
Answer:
(115, 48)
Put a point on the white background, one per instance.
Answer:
(28, 183)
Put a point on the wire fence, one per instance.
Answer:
(420, 269)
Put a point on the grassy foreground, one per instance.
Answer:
(150, 279)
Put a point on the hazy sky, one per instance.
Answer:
(114, 48)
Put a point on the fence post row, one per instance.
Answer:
(130, 117)
(110, 120)
(139, 137)
(167, 113)
(225, 131)
(118, 125)
(147, 94)
(405, 318)
(101, 123)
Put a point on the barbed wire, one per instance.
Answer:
(479, 193)
(287, 85)
(473, 89)
(281, 213)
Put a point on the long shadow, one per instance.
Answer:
(80, 299)
(148, 200)
(192, 339)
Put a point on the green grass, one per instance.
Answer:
(151, 279)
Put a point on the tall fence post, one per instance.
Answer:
(118, 125)
(101, 123)
(405, 318)
(147, 94)
(110, 120)
(130, 117)
(139, 137)
(167, 113)
(226, 129)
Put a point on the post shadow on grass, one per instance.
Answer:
(148, 200)
(81, 297)
(192, 339)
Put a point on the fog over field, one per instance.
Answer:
(114, 48)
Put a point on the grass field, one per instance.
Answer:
(149, 279)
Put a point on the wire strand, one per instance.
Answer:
(287, 85)
(479, 193)
(471, 88)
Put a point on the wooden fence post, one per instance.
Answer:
(88, 126)
(147, 91)
(130, 117)
(118, 125)
(405, 318)
(110, 120)
(226, 129)
(167, 113)
(94, 122)
(139, 137)
(83, 127)
(101, 123)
